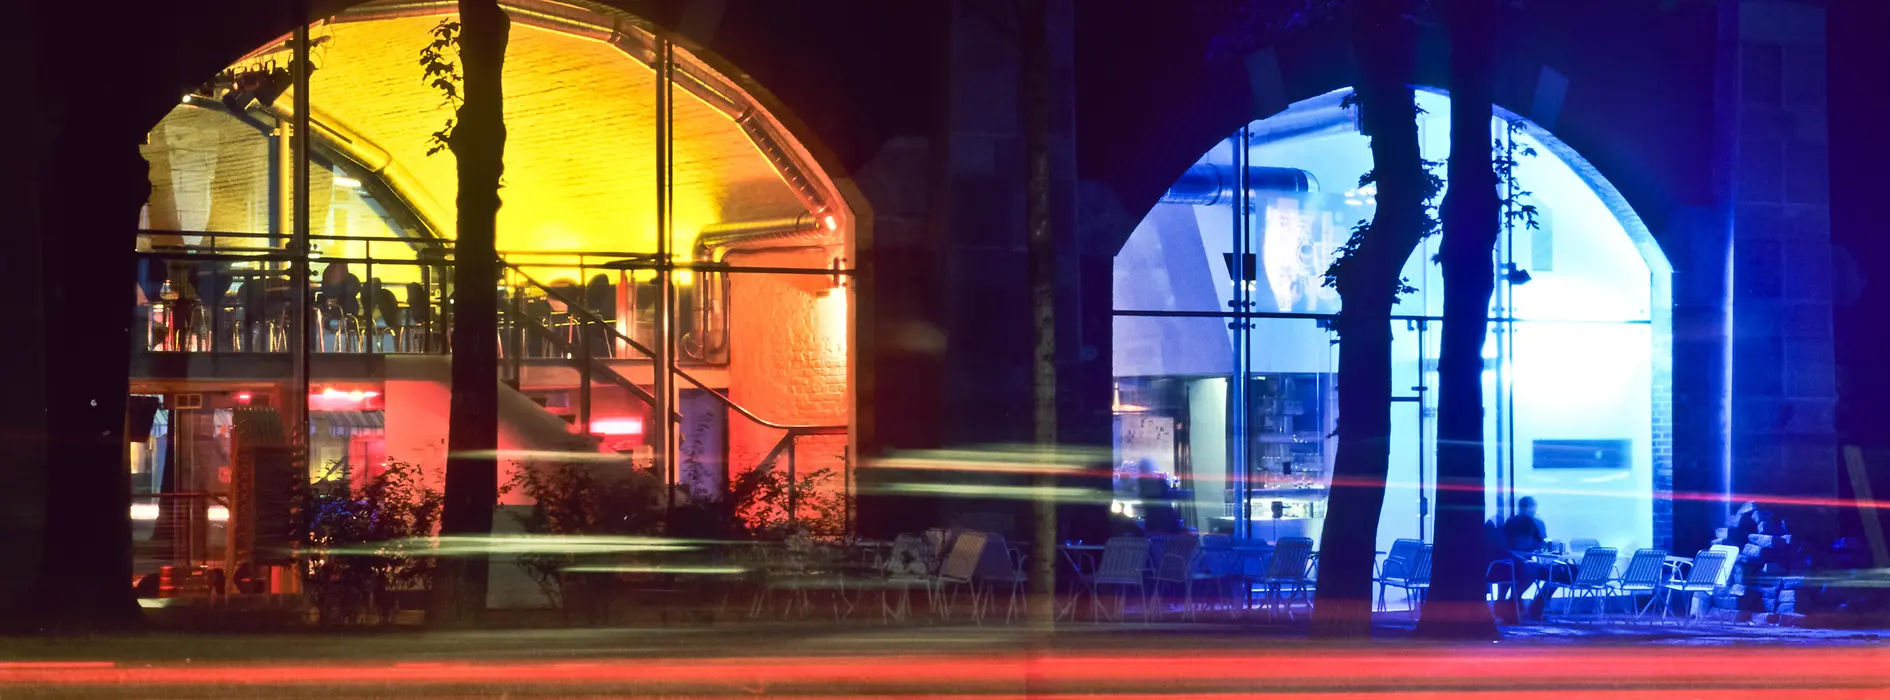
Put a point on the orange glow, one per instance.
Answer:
(617, 426)
(830, 222)
(831, 310)
(337, 399)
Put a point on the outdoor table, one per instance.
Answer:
(1259, 553)
(1082, 560)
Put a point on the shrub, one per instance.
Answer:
(357, 547)
(582, 498)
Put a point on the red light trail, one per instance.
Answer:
(1380, 672)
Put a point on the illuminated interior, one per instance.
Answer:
(1570, 394)
(769, 331)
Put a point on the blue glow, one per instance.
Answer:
(1581, 361)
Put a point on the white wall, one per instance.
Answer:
(1207, 447)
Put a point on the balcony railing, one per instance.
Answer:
(231, 293)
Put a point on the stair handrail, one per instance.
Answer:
(586, 315)
(564, 346)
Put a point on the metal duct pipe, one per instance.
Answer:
(1209, 185)
(806, 227)
(783, 160)
(717, 240)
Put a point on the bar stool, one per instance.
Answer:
(196, 330)
(390, 324)
(158, 323)
(340, 331)
(228, 336)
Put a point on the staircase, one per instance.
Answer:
(589, 344)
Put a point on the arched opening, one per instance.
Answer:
(1209, 392)
(755, 256)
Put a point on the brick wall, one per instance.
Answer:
(1663, 432)
(787, 359)
(1773, 108)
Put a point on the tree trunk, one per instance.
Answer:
(472, 475)
(1368, 284)
(1471, 214)
(72, 215)
(1042, 255)
(77, 351)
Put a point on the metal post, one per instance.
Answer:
(584, 380)
(516, 329)
(433, 315)
(1423, 502)
(368, 305)
(298, 246)
(663, 366)
(1238, 442)
(793, 485)
(1505, 399)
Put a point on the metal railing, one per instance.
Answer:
(232, 293)
(586, 327)
(578, 335)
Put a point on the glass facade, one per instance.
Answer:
(668, 248)
(1226, 372)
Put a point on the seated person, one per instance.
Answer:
(1525, 535)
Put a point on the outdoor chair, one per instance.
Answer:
(1176, 568)
(958, 568)
(909, 565)
(799, 569)
(1642, 576)
(1705, 574)
(1123, 561)
(1593, 578)
(1221, 565)
(1416, 581)
(938, 542)
(1578, 548)
(1288, 575)
(1503, 576)
(1396, 569)
(998, 567)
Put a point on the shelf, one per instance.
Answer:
(1277, 494)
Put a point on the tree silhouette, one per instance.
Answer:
(477, 140)
(1471, 220)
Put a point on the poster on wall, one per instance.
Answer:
(702, 444)
(1145, 437)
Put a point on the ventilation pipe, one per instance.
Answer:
(1209, 185)
(716, 241)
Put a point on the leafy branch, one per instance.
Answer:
(1348, 253)
(440, 62)
(1508, 156)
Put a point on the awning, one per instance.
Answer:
(351, 422)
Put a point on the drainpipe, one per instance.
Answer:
(716, 241)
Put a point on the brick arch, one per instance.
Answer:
(240, 31)
(1639, 116)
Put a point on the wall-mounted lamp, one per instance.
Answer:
(1515, 275)
(837, 277)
